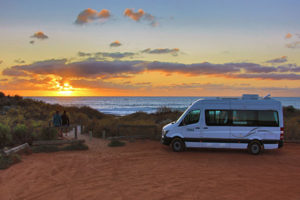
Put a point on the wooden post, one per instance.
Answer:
(18, 148)
(91, 135)
(103, 134)
(75, 131)
(81, 129)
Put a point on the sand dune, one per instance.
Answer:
(148, 170)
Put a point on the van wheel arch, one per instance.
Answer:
(177, 144)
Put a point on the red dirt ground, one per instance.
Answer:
(149, 170)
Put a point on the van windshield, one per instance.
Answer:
(183, 114)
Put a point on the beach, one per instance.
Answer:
(145, 169)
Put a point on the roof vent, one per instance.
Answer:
(268, 96)
(250, 96)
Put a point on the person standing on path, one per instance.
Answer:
(65, 122)
(57, 122)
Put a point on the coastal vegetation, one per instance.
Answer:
(25, 120)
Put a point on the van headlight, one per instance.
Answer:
(164, 133)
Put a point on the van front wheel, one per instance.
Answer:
(177, 145)
(254, 147)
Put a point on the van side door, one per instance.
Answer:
(216, 128)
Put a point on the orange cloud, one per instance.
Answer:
(115, 44)
(136, 16)
(140, 15)
(288, 36)
(89, 15)
(40, 35)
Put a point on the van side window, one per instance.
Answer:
(217, 117)
(268, 118)
(191, 118)
(244, 117)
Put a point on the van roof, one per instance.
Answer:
(245, 98)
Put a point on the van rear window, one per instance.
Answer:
(244, 117)
(268, 118)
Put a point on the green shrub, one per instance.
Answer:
(6, 161)
(2, 95)
(5, 135)
(116, 143)
(21, 134)
(45, 148)
(48, 133)
(163, 109)
(74, 147)
(55, 148)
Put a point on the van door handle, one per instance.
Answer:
(197, 127)
(205, 127)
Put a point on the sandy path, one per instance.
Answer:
(148, 170)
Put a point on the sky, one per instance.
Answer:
(149, 48)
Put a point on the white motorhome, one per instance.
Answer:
(249, 122)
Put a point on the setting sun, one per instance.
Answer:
(65, 90)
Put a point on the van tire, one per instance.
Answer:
(177, 145)
(254, 147)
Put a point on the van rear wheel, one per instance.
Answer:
(177, 145)
(254, 147)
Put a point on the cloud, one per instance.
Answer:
(76, 69)
(293, 45)
(271, 76)
(115, 44)
(14, 71)
(136, 16)
(278, 60)
(193, 69)
(90, 15)
(140, 15)
(288, 36)
(98, 83)
(27, 84)
(115, 55)
(40, 35)
(83, 54)
(19, 61)
(173, 52)
(91, 68)
(288, 68)
(104, 55)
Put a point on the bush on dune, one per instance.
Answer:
(291, 123)
(5, 136)
(21, 134)
(7, 161)
(48, 133)
(75, 147)
(116, 143)
(55, 148)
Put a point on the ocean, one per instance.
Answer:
(128, 105)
